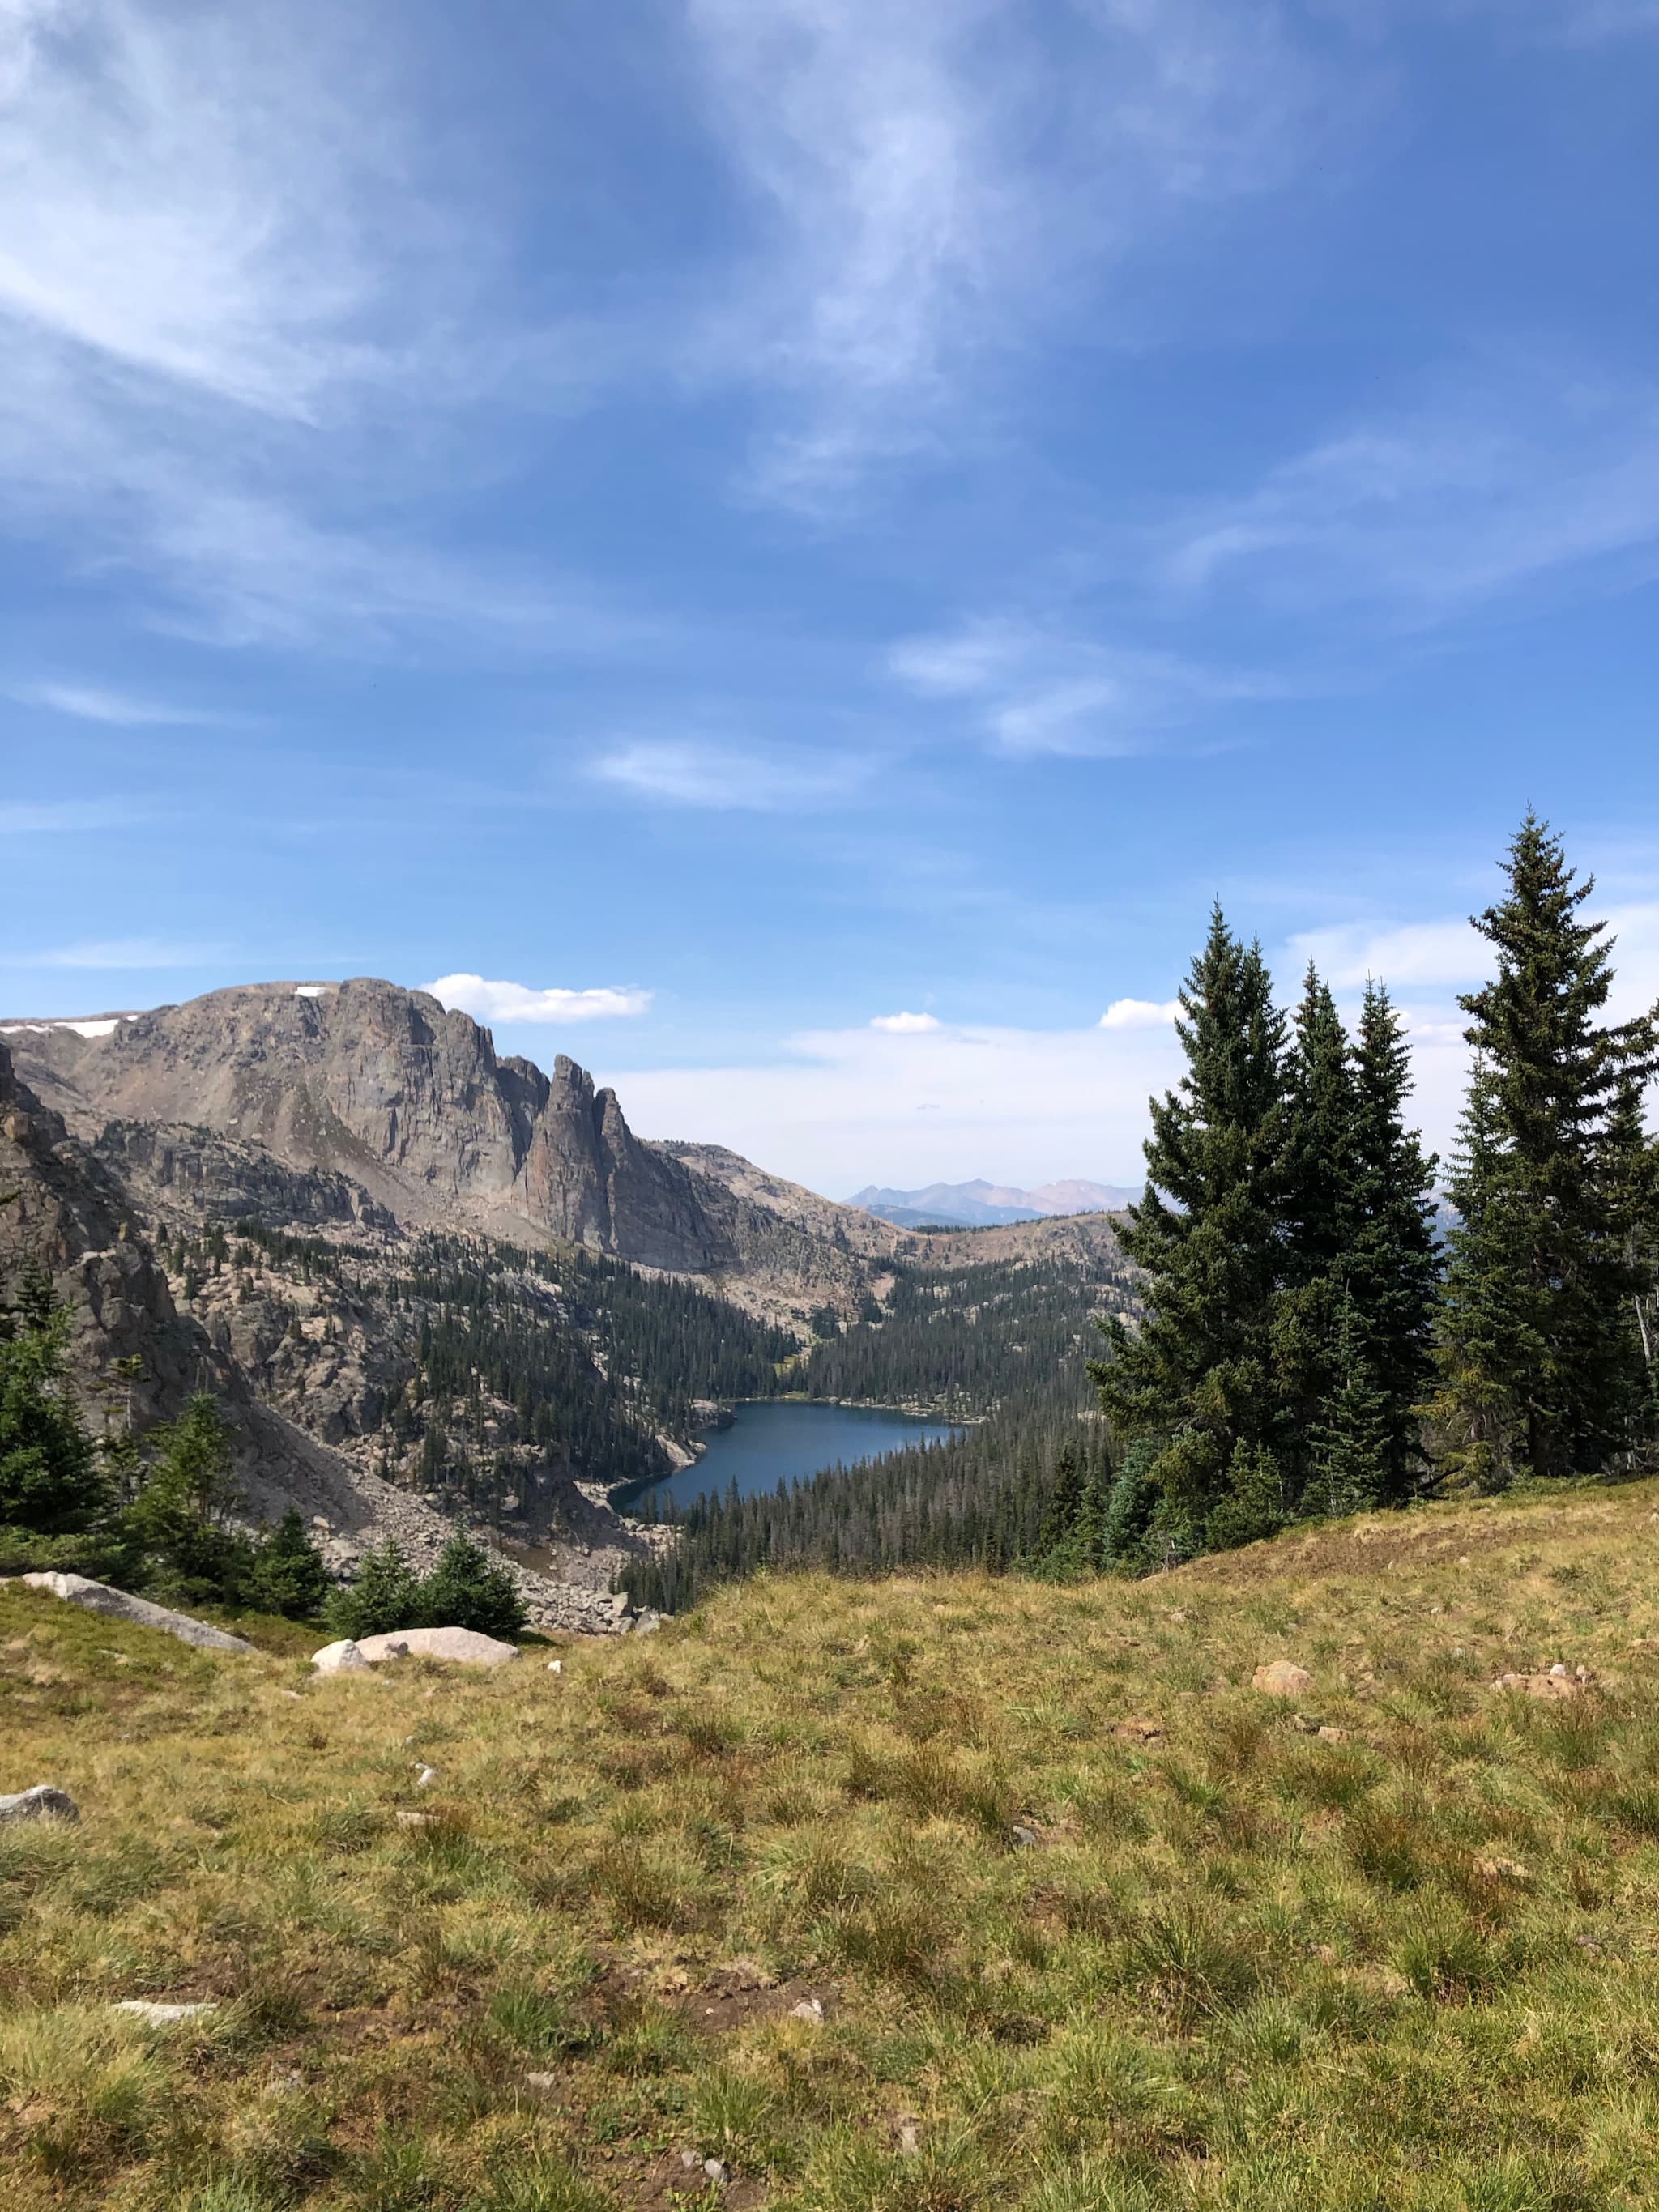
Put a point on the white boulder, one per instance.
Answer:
(465, 1645)
(119, 1605)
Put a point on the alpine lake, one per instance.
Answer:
(773, 1440)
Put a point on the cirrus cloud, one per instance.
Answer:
(488, 1001)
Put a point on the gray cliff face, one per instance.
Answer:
(386, 1088)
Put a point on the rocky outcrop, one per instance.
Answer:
(167, 1166)
(120, 1605)
(398, 1096)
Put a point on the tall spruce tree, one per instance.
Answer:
(1543, 1365)
(1320, 1220)
(1391, 1265)
(1199, 1376)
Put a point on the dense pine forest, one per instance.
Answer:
(960, 1341)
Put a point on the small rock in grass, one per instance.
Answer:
(907, 2136)
(717, 2171)
(1139, 1729)
(543, 2081)
(690, 2160)
(1027, 1839)
(1281, 1678)
(160, 2016)
(342, 1658)
(1542, 1685)
(808, 2010)
(416, 1820)
(1333, 1736)
(1496, 1870)
(555, 1666)
(44, 1803)
(426, 1777)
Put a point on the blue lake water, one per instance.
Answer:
(771, 1442)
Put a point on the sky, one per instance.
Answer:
(791, 550)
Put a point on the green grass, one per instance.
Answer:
(1415, 1965)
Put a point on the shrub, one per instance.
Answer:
(464, 1590)
(385, 1597)
(288, 1575)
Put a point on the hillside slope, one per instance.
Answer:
(909, 1896)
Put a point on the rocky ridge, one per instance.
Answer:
(405, 1098)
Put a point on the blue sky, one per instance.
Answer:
(733, 523)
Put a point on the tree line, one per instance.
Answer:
(1309, 1345)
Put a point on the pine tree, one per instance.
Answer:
(1199, 1374)
(49, 1480)
(386, 1597)
(1542, 1371)
(464, 1590)
(1352, 1438)
(1065, 1502)
(287, 1576)
(1391, 1266)
(178, 1520)
(1320, 1211)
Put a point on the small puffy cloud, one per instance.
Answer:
(488, 1001)
(1140, 1013)
(906, 1024)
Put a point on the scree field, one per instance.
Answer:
(920, 1895)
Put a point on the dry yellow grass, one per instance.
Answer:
(1092, 1922)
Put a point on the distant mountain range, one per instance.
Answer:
(987, 1205)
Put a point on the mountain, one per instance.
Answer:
(67, 1210)
(407, 1099)
(985, 1204)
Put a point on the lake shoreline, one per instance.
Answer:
(771, 1450)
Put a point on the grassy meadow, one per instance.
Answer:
(1090, 1924)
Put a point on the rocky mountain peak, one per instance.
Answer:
(405, 1097)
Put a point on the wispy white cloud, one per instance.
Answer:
(119, 709)
(1032, 688)
(1479, 492)
(1403, 956)
(520, 1002)
(690, 771)
(24, 817)
(925, 175)
(120, 953)
(1141, 1014)
(185, 196)
(906, 1024)
(243, 328)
